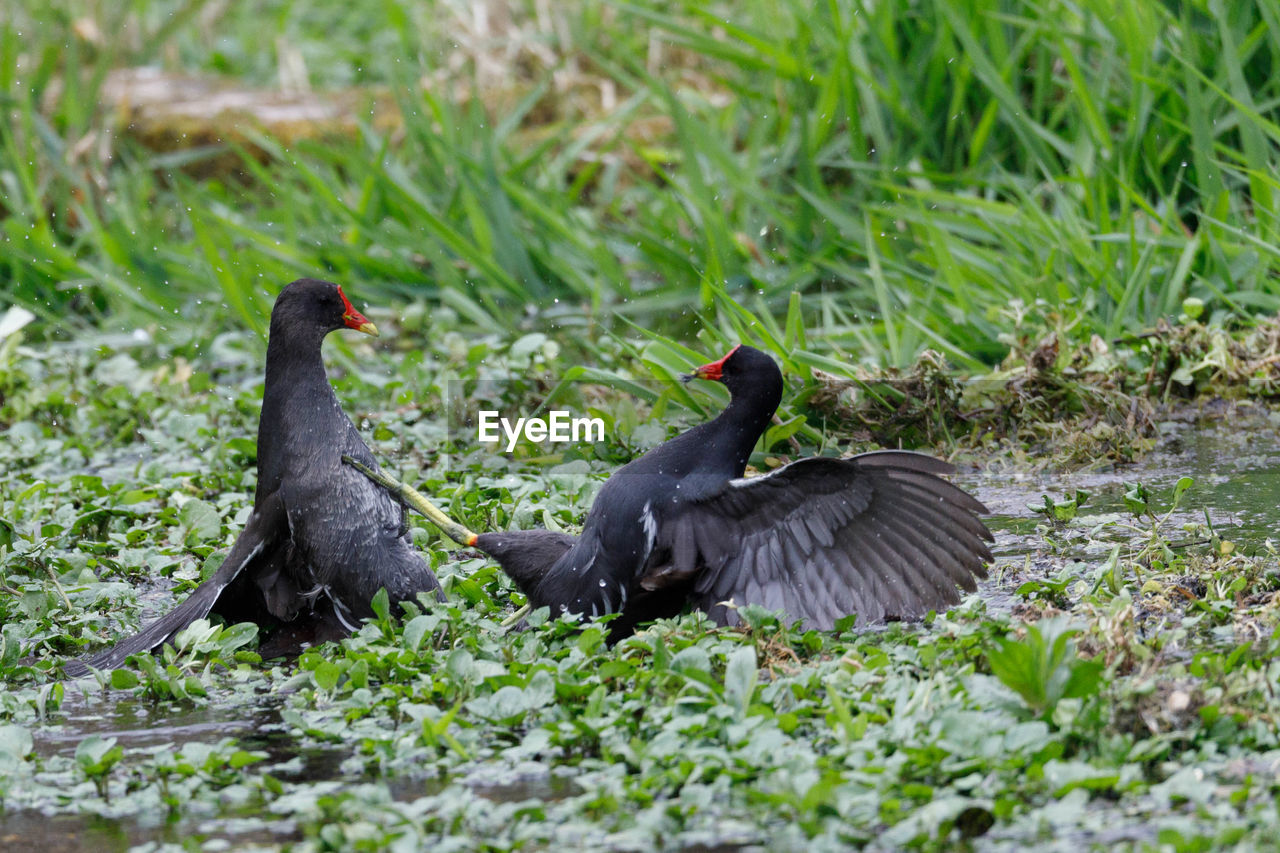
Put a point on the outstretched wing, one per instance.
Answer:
(879, 534)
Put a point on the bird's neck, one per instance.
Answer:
(298, 407)
(736, 430)
(294, 370)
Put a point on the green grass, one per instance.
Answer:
(910, 171)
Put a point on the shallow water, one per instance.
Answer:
(256, 725)
(1235, 466)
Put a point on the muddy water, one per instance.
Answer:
(1235, 466)
(256, 724)
(31, 830)
(1237, 483)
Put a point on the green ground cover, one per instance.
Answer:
(1073, 203)
(1113, 685)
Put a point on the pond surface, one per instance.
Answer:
(1235, 467)
(256, 724)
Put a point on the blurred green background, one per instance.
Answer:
(857, 179)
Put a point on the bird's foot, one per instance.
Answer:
(409, 496)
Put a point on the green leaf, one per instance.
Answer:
(236, 636)
(96, 755)
(416, 629)
(1180, 488)
(527, 345)
(795, 334)
(1137, 498)
(777, 433)
(326, 675)
(15, 741)
(1085, 679)
(123, 679)
(381, 605)
(840, 710)
(1043, 667)
(241, 758)
(740, 676)
(200, 522)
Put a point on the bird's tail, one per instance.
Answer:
(268, 515)
(163, 630)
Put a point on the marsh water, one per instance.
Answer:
(1235, 465)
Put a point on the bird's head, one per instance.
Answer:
(739, 369)
(318, 305)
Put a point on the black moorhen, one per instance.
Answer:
(878, 534)
(322, 539)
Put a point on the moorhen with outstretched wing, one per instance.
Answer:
(879, 534)
(322, 539)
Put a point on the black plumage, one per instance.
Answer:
(322, 539)
(879, 534)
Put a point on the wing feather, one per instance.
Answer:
(928, 579)
(876, 534)
(941, 490)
